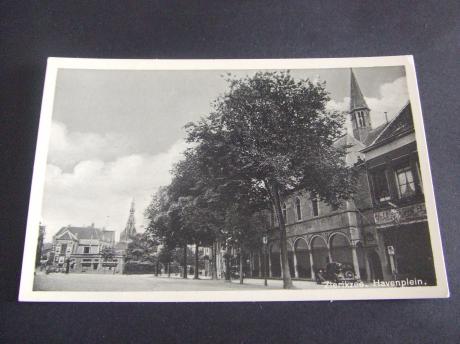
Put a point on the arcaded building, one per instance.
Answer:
(378, 222)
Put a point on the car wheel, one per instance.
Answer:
(349, 274)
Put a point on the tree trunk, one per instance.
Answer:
(214, 261)
(169, 269)
(227, 266)
(287, 281)
(241, 264)
(196, 276)
(184, 262)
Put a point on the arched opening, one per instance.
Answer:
(375, 266)
(290, 255)
(341, 249)
(319, 252)
(275, 263)
(303, 258)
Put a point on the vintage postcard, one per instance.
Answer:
(232, 180)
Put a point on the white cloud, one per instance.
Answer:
(68, 148)
(101, 192)
(392, 97)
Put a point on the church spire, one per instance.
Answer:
(130, 229)
(357, 101)
(359, 111)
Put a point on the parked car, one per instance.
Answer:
(336, 272)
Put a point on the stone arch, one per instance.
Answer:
(331, 237)
(340, 248)
(302, 254)
(319, 251)
(275, 264)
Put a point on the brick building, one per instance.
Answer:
(360, 231)
(83, 248)
(400, 232)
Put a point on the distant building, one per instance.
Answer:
(82, 249)
(130, 228)
(128, 233)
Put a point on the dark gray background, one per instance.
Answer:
(32, 30)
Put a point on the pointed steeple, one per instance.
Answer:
(131, 210)
(359, 111)
(130, 229)
(357, 101)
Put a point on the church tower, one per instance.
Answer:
(359, 111)
(130, 229)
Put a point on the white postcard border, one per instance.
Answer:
(26, 292)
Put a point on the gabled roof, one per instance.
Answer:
(374, 133)
(66, 236)
(400, 125)
(86, 233)
(356, 96)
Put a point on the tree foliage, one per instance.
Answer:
(267, 136)
(275, 134)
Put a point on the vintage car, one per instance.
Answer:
(336, 272)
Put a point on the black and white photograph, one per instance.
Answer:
(232, 180)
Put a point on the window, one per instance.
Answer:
(314, 205)
(361, 119)
(298, 209)
(86, 249)
(284, 211)
(381, 190)
(405, 182)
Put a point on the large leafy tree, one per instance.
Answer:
(142, 247)
(165, 222)
(189, 187)
(274, 133)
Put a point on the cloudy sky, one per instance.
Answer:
(116, 134)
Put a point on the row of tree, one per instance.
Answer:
(267, 136)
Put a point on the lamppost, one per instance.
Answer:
(265, 241)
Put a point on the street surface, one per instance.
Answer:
(109, 282)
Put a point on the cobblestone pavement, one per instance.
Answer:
(108, 282)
